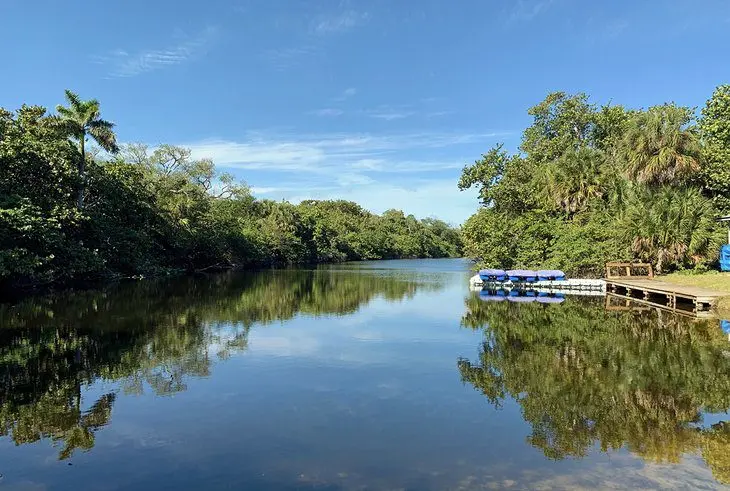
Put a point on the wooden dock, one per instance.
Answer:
(645, 288)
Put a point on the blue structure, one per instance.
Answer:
(526, 275)
(493, 275)
(493, 295)
(550, 275)
(725, 325)
(550, 298)
(725, 257)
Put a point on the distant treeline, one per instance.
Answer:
(597, 183)
(70, 214)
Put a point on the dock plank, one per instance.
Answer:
(664, 287)
(702, 298)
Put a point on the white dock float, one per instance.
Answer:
(574, 286)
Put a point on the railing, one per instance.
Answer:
(629, 270)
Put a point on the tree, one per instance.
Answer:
(671, 227)
(82, 119)
(575, 178)
(715, 130)
(561, 122)
(662, 146)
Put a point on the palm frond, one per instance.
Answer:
(74, 100)
(105, 137)
(101, 123)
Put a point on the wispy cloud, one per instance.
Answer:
(285, 58)
(388, 113)
(339, 23)
(346, 94)
(438, 114)
(328, 112)
(527, 10)
(413, 171)
(121, 63)
(321, 154)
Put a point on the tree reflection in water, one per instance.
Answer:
(583, 376)
(150, 335)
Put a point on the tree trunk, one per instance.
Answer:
(82, 174)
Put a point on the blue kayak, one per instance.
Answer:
(550, 275)
(526, 275)
(493, 275)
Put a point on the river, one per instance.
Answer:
(386, 375)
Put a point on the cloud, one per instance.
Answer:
(438, 114)
(388, 113)
(285, 58)
(346, 94)
(266, 190)
(416, 172)
(339, 23)
(413, 171)
(123, 64)
(328, 112)
(325, 153)
(527, 10)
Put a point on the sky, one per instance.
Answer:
(382, 102)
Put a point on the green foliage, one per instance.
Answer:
(661, 147)
(595, 184)
(586, 376)
(671, 226)
(79, 120)
(65, 216)
(715, 130)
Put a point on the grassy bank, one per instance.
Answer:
(712, 280)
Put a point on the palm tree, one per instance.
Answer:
(671, 227)
(82, 118)
(574, 179)
(660, 146)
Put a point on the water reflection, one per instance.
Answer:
(583, 375)
(153, 336)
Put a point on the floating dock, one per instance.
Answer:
(597, 287)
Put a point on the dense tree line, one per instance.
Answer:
(584, 377)
(70, 212)
(593, 183)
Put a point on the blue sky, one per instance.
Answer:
(379, 101)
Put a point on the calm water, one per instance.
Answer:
(377, 376)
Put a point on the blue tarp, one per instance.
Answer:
(725, 257)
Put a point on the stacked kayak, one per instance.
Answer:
(493, 275)
(550, 275)
(522, 275)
